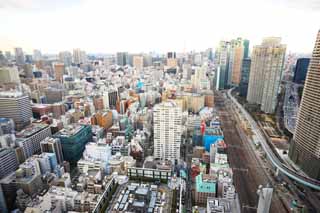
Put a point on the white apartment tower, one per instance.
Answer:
(265, 73)
(167, 131)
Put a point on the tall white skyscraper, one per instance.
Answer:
(66, 58)
(265, 73)
(167, 131)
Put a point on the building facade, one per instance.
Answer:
(17, 107)
(305, 149)
(245, 73)
(265, 73)
(300, 71)
(167, 131)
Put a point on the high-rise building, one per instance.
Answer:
(52, 145)
(20, 59)
(9, 75)
(122, 58)
(8, 161)
(265, 73)
(37, 56)
(17, 107)
(79, 56)
(222, 63)
(66, 58)
(300, 71)
(238, 49)
(167, 131)
(171, 59)
(305, 149)
(245, 73)
(138, 62)
(58, 71)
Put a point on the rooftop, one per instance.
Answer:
(31, 130)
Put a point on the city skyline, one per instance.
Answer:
(114, 26)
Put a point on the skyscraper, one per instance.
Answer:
(300, 71)
(20, 59)
(172, 59)
(58, 71)
(222, 62)
(79, 56)
(167, 131)
(122, 58)
(265, 73)
(305, 149)
(245, 73)
(66, 58)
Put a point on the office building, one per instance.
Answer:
(122, 58)
(300, 70)
(37, 56)
(52, 145)
(73, 140)
(65, 57)
(245, 73)
(138, 62)
(58, 71)
(79, 56)
(265, 73)
(305, 149)
(9, 75)
(31, 136)
(8, 161)
(171, 59)
(222, 56)
(167, 131)
(16, 106)
(20, 59)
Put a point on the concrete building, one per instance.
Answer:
(37, 56)
(138, 62)
(9, 75)
(16, 106)
(171, 59)
(235, 61)
(31, 136)
(206, 186)
(79, 56)
(8, 161)
(265, 73)
(167, 118)
(20, 59)
(122, 58)
(245, 73)
(305, 149)
(222, 56)
(58, 71)
(300, 71)
(52, 145)
(65, 58)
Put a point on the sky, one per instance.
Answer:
(108, 26)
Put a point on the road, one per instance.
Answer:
(272, 157)
(248, 174)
